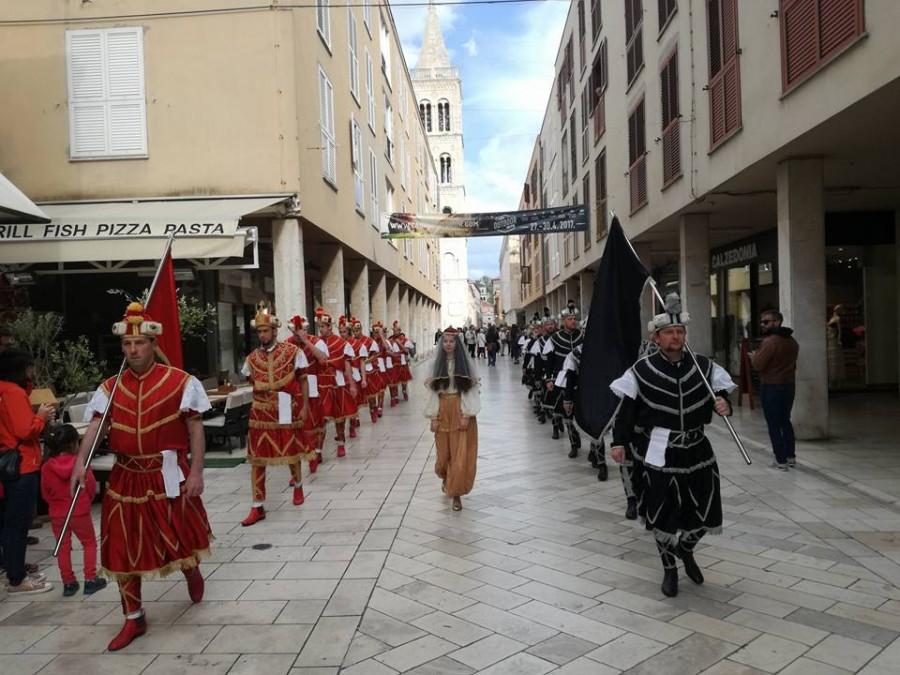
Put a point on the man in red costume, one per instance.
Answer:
(356, 367)
(401, 344)
(336, 385)
(278, 410)
(153, 521)
(372, 384)
(313, 431)
(385, 365)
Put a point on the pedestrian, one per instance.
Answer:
(665, 406)
(336, 385)
(504, 337)
(776, 363)
(452, 406)
(152, 520)
(437, 337)
(401, 346)
(356, 368)
(56, 478)
(372, 385)
(512, 337)
(481, 342)
(20, 433)
(277, 414)
(492, 344)
(312, 428)
(471, 339)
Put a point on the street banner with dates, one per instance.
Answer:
(537, 221)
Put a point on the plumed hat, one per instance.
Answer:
(297, 322)
(137, 322)
(322, 317)
(265, 316)
(570, 310)
(672, 316)
(355, 323)
(342, 321)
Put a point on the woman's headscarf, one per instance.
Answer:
(464, 375)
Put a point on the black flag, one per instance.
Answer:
(614, 331)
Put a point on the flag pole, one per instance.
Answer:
(105, 417)
(687, 347)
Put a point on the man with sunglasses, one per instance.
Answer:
(776, 363)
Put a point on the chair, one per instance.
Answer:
(228, 424)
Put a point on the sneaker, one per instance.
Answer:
(792, 462)
(29, 586)
(781, 466)
(91, 586)
(32, 570)
(71, 589)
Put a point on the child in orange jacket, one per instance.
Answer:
(56, 473)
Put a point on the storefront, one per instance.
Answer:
(860, 316)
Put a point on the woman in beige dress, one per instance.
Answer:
(452, 406)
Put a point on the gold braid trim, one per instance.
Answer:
(188, 563)
(256, 424)
(275, 461)
(151, 496)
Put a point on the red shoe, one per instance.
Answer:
(394, 401)
(195, 583)
(381, 412)
(341, 451)
(374, 415)
(257, 513)
(132, 629)
(405, 396)
(291, 482)
(298, 496)
(313, 465)
(352, 432)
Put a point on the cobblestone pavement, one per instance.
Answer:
(540, 573)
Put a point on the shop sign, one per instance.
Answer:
(731, 257)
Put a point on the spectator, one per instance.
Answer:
(481, 342)
(56, 477)
(513, 339)
(20, 431)
(492, 342)
(437, 336)
(471, 340)
(504, 337)
(776, 363)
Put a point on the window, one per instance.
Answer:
(667, 10)
(596, 18)
(385, 40)
(443, 115)
(356, 160)
(373, 189)
(634, 38)
(401, 97)
(581, 33)
(600, 195)
(402, 156)
(367, 17)
(570, 72)
(585, 121)
(446, 169)
(564, 159)
(574, 149)
(671, 120)
(586, 201)
(637, 157)
(326, 124)
(389, 205)
(724, 72)
(107, 106)
(370, 92)
(388, 129)
(813, 32)
(598, 81)
(425, 115)
(354, 59)
(323, 21)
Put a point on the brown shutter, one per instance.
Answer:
(799, 48)
(671, 140)
(637, 171)
(725, 84)
(600, 194)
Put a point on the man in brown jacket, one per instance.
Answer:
(776, 363)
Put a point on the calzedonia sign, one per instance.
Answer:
(87, 230)
(737, 255)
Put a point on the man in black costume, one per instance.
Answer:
(555, 350)
(664, 408)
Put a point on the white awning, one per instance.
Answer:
(15, 207)
(133, 230)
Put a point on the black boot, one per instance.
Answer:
(670, 583)
(573, 453)
(592, 458)
(555, 432)
(631, 510)
(602, 472)
(691, 568)
(541, 418)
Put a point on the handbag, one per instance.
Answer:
(10, 463)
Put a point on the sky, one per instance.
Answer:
(506, 55)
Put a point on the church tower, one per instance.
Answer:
(439, 92)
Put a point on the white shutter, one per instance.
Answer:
(356, 162)
(326, 123)
(373, 186)
(323, 20)
(107, 107)
(370, 91)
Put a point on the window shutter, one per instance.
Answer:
(671, 147)
(125, 75)
(724, 85)
(839, 23)
(812, 31)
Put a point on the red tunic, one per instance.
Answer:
(401, 360)
(358, 367)
(143, 532)
(273, 371)
(374, 378)
(337, 402)
(313, 429)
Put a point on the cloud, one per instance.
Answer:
(471, 46)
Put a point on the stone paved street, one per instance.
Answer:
(540, 573)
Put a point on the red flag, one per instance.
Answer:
(163, 307)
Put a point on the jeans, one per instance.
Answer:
(21, 497)
(777, 401)
(492, 356)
